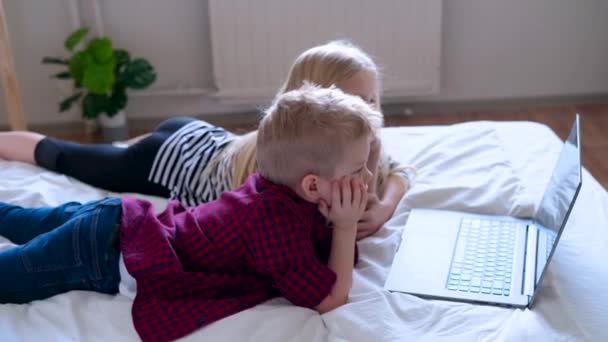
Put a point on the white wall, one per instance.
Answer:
(491, 49)
(35, 27)
(521, 48)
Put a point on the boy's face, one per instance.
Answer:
(353, 164)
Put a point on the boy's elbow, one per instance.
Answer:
(330, 302)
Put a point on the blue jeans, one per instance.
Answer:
(70, 247)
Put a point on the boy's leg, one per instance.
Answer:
(81, 254)
(20, 225)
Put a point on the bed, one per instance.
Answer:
(488, 167)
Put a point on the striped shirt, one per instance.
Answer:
(407, 172)
(184, 163)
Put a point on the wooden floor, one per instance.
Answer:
(594, 127)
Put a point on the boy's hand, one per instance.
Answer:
(348, 202)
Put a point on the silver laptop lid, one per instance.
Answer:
(559, 197)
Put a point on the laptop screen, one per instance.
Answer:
(559, 196)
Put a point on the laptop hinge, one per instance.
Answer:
(530, 260)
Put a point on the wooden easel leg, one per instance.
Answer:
(16, 117)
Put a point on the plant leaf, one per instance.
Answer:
(73, 39)
(78, 64)
(67, 103)
(101, 50)
(117, 101)
(55, 60)
(139, 74)
(64, 75)
(93, 105)
(99, 78)
(122, 59)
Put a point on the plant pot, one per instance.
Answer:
(91, 126)
(114, 128)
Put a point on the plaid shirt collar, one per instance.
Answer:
(307, 207)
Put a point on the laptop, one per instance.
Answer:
(488, 259)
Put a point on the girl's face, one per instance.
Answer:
(363, 84)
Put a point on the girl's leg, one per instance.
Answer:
(105, 166)
(135, 140)
(19, 146)
(80, 254)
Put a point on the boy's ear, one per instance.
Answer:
(309, 185)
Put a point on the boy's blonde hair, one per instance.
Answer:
(324, 65)
(307, 130)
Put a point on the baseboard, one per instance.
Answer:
(401, 106)
(144, 124)
(249, 118)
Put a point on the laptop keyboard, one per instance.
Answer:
(483, 259)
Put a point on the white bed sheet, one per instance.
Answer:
(488, 167)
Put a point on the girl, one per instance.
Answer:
(193, 161)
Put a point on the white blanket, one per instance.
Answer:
(486, 167)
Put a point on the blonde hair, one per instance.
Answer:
(308, 130)
(330, 64)
(324, 65)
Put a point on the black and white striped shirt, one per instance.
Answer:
(182, 164)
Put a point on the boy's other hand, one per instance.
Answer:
(348, 202)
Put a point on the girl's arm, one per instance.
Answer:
(372, 164)
(380, 210)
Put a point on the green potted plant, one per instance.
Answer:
(101, 76)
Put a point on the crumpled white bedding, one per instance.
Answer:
(488, 167)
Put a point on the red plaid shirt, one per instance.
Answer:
(195, 266)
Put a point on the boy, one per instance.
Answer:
(194, 266)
